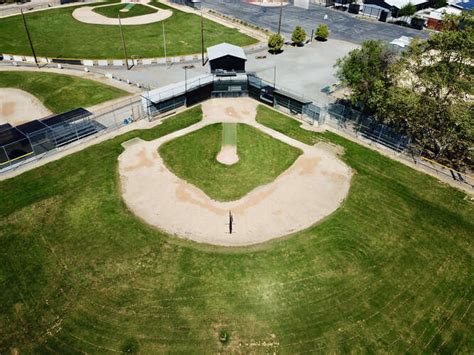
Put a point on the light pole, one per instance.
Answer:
(202, 38)
(164, 40)
(29, 37)
(123, 43)
(281, 14)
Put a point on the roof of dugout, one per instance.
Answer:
(225, 49)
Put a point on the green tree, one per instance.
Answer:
(275, 42)
(432, 101)
(440, 3)
(298, 36)
(367, 71)
(322, 32)
(407, 10)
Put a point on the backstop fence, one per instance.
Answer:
(159, 103)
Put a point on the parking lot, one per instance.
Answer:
(342, 26)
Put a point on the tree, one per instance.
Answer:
(427, 93)
(298, 36)
(275, 42)
(440, 3)
(367, 72)
(432, 100)
(322, 32)
(407, 10)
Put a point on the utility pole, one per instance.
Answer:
(164, 40)
(123, 43)
(202, 38)
(281, 14)
(29, 37)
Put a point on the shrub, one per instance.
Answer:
(223, 337)
(322, 32)
(299, 35)
(275, 42)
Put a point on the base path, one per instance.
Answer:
(18, 106)
(311, 189)
(86, 15)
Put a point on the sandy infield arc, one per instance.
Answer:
(18, 106)
(311, 189)
(86, 15)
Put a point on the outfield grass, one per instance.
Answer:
(389, 272)
(114, 10)
(261, 159)
(60, 93)
(282, 124)
(55, 33)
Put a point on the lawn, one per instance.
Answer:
(389, 272)
(282, 124)
(60, 93)
(55, 33)
(114, 10)
(261, 159)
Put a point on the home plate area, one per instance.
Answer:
(313, 187)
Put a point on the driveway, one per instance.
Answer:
(342, 26)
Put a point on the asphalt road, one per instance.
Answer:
(342, 26)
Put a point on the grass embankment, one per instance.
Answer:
(60, 93)
(390, 271)
(55, 33)
(114, 10)
(261, 159)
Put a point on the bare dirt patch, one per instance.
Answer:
(311, 189)
(18, 106)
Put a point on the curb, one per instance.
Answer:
(16, 59)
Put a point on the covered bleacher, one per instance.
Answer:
(39, 136)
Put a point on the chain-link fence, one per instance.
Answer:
(369, 130)
(353, 122)
(25, 145)
(152, 105)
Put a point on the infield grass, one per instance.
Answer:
(55, 33)
(58, 92)
(261, 159)
(389, 272)
(229, 134)
(113, 11)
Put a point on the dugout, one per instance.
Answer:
(170, 97)
(13, 144)
(293, 103)
(39, 136)
(226, 58)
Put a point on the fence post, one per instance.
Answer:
(380, 134)
(8, 158)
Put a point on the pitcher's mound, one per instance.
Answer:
(228, 155)
(18, 106)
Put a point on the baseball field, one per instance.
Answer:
(56, 33)
(388, 272)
